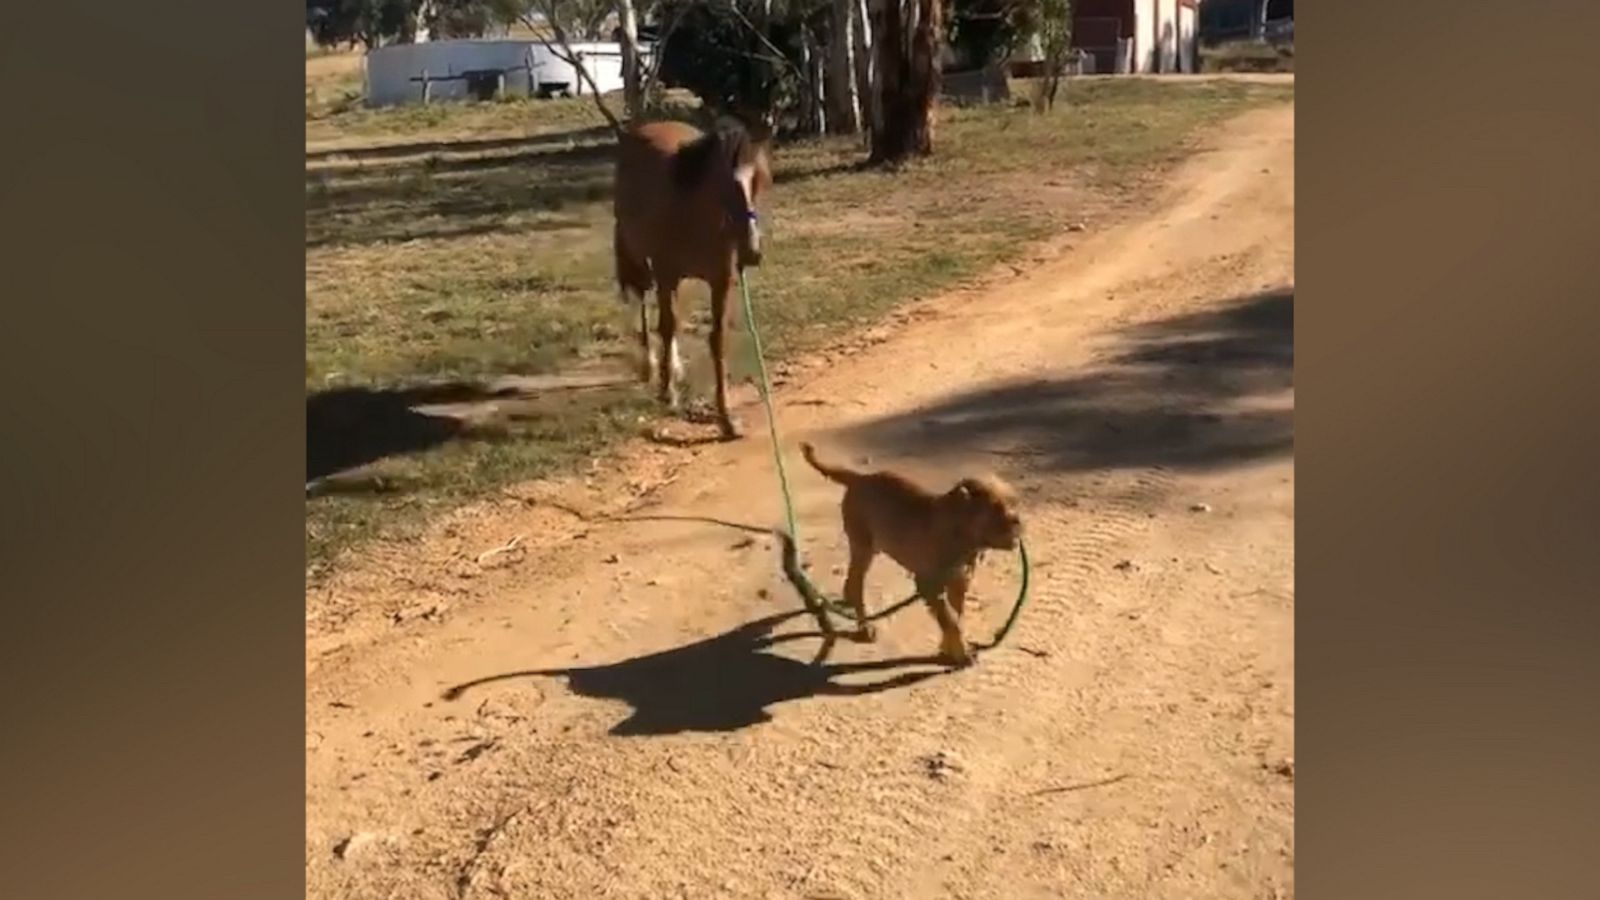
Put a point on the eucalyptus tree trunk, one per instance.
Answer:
(632, 82)
(866, 68)
(844, 102)
(908, 80)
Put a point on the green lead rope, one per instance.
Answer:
(818, 603)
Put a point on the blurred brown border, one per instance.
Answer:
(1450, 242)
(152, 186)
(153, 535)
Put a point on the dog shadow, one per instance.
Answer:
(720, 684)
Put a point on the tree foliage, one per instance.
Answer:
(472, 18)
(368, 22)
(376, 22)
(1054, 24)
(742, 57)
(984, 32)
(584, 20)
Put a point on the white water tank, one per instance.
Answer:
(394, 74)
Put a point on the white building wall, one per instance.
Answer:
(1188, 39)
(1167, 35)
(1144, 35)
(1164, 36)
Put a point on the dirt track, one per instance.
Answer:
(626, 728)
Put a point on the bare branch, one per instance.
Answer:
(761, 36)
(657, 50)
(565, 54)
(632, 83)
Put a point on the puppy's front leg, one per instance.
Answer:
(952, 645)
(956, 592)
(855, 585)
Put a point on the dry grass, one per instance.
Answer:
(488, 253)
(333, 82)
(337, 119)
(1247, 56)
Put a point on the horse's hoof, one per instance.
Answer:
(732, 430)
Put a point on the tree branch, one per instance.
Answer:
(566, 55)
(657, 51)
(760, 36)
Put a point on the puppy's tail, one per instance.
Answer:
(837, 474)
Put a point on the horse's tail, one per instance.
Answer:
(634, 278)
(835, 474)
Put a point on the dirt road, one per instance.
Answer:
(635, 712)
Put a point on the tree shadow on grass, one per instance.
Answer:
(446, 198)
(416, 191)
(800, 174)
(1195, 391)
(374, 153)
(450, 226)
(720, 684)
(350, 427)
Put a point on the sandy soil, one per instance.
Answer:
(635, 710)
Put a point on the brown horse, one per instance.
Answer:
(685, 206)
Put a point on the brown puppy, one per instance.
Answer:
(938, 538)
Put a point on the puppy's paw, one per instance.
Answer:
(957, 653)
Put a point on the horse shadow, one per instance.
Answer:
(719, 684)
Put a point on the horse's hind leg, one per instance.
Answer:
(721, 318)
(647, 360)
(671, 364)
(634, 281)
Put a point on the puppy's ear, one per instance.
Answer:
(963, 498)
(956, 500)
